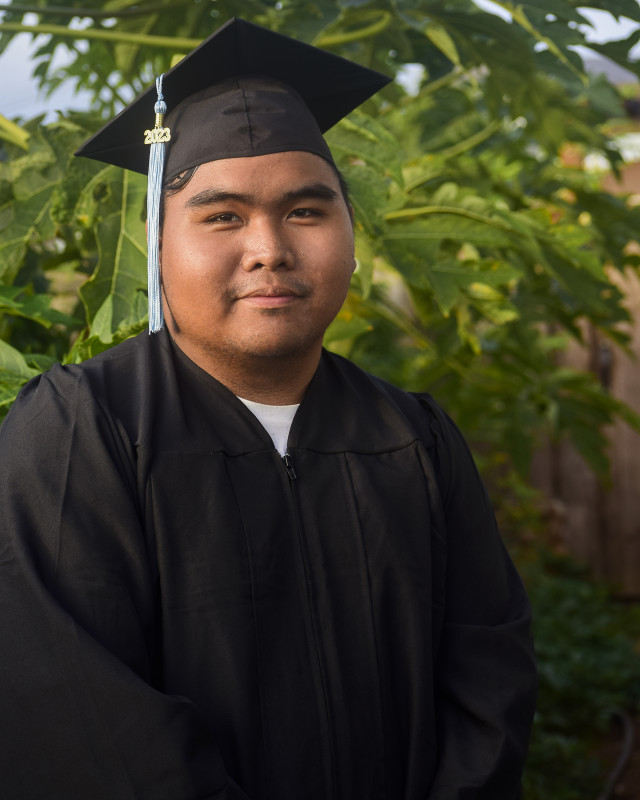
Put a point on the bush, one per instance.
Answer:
(587, 646)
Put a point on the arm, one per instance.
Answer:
(79, 715)
(486, 680)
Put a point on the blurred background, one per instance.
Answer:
(496, 188)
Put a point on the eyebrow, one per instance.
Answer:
(312, 191)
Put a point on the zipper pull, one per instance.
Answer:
(288, 465)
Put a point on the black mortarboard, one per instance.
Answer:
(245, 91)
(327, 85)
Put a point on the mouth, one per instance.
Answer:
(271, 296)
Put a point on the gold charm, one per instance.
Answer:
(157, 136)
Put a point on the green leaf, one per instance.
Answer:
(439, 35)
(365, 255)
(33, 307)
(10, 385)
(14, 372)
(559, 8)
(446, 280)
(116, 199)
(454, 225)
(39, 361)
(13, 133)
(28, 183)
(346, 326)
(618, 50)
(100, 338)
(360, 137)
(369, 195)
(19, 223)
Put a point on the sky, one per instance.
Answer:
(19, 96)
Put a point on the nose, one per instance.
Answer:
(266, 246)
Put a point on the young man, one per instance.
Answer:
(234, 565)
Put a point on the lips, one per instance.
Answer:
(272, 291)
(268, 295)
(271, 297)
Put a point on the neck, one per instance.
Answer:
(277, 380)
(275, 384)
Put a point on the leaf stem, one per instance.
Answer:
(472, 141)
(94, 13)
(456, 150)
(400, 320)
(174, 43)
(443, 82)
(331, 40)
(423, 211)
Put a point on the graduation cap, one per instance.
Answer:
(245, 91)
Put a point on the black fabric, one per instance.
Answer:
(322, 89)
(180, 619)
(241, 118)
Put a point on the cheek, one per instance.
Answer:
(190, 267)
(333, 251)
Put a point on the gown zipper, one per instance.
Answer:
(330, 766)
(288, 465)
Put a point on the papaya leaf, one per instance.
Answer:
(369, 191)
(346, 326)
(365, 255)
(13, 133)
(28, 185)
(442, 39)
(14, 372)
(454, 224)
(559, 8)
(39, 361)
(92, 344)
(34, 307)
(115, 199)
(26, 212)
(10, 385)
(361, 137)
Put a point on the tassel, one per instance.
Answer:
(156, 138)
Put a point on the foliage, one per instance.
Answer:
(588, 661)
(483, 250)
(481, 254)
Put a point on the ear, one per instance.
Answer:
(351, 217)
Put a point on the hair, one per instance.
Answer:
(177, 183)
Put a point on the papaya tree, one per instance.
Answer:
(481, 254)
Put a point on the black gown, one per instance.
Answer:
(183, 616)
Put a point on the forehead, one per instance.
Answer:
(267, 173)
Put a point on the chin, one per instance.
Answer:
(282, 348)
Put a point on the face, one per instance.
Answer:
(257, 254)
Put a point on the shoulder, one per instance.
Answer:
(65, 395)
(445, 444)
(419, 409)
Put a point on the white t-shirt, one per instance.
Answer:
(276, 420)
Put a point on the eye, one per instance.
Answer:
(305, 213)
(223, 218)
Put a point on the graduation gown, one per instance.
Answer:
(185, 616)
